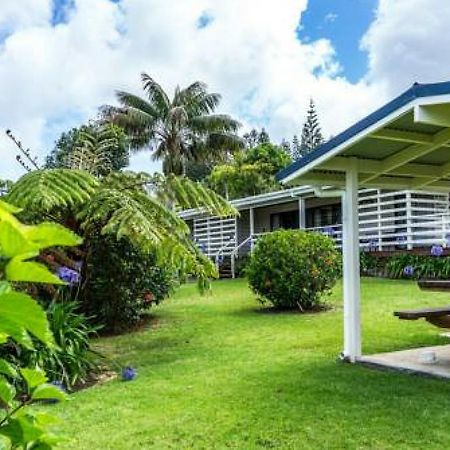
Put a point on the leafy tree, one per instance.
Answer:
(255, 137)
(177, 130)
(252, 172)
(311, 132)
(239, 180)
(23, 321)
(272, 157)
(198, 171)
(286, 146)
(295, 150)
(97, 148)
(139, 207)
(263, 137)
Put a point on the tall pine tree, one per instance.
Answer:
(311, 132)
(296, 152)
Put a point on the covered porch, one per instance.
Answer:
(404, 145)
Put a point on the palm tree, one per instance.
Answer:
(177, 130)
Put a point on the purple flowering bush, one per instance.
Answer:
(68, 275)
(433, 266)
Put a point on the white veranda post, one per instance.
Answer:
(352, 328)
(252, 227)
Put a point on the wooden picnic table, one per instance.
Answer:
(438, 316)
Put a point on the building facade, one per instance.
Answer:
(388, 220)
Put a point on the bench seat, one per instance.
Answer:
(439, 316)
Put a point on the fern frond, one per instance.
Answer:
(187, 194)
(46, 190)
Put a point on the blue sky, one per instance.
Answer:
(344, 23)
(61, 59)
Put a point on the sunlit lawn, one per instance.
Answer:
(216, 372)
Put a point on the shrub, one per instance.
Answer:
(23, 321)
(419, 266)
(121, 283)
(72, 360)
(293, 268)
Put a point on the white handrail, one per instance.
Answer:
(222, 249)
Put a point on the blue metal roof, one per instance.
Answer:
(416, 91)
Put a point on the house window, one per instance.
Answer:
(288, 220)
(322, 216)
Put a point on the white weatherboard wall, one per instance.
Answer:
(388, 220)
(213, 233)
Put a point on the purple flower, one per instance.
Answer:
(329, 231)
(436, 250)
(408, 271)
(68, 275)
(128, 374)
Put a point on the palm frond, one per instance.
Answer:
(214, 123)
(128, 100)
(156, 94)
(46, 190)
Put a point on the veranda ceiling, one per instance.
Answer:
(403, 145)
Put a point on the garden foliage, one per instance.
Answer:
(123, 282)
(22, 321)
(419, 266)
(293, 268)
(71, 361)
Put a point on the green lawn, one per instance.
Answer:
(217, 372)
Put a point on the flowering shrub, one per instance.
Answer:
(436, 250)
(293, 268)
(408, 271)
(128, 374)
(68, 275)
(409, 265)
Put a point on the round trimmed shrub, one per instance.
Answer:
(293, 268)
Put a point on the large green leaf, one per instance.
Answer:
(7, 391)
(7, 369)
(21, 431)
(13, 241)
(33, 377)
(48, 392)
(19, 270)
(20, 313)
(50, 234)
(9, 208)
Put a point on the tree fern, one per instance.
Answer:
(138, 206)
(46, 190)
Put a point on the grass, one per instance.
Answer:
(219, 373)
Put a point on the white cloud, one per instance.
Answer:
(409, 41)
(56, 77)
(330, 17)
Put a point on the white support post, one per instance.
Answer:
(379, 223)
(409, 233)
(252, 227)
(301, 214)
(352, 327)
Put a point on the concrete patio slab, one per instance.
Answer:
(431, 361)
